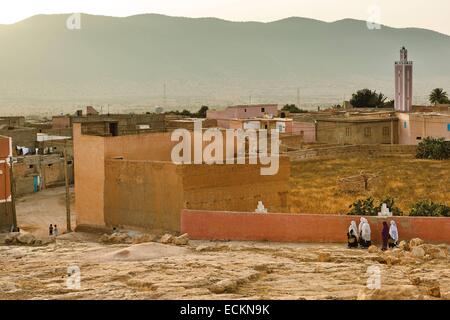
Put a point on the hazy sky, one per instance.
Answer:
(431, 14)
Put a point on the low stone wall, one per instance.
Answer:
(351, 149)
(247, 226)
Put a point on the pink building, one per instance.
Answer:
(413, 127)
(403, 82)
(307, 130)
(244, 112)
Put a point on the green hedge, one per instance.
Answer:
(431, 148)
(427, 208)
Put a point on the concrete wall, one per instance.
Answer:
(61, 122)
(305, 129)
(49, 168)
(354, 132)
(344, 151)
(24, 137)
(220, 225)
(414, 127)
(243, 112)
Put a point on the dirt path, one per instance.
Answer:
(35, 212)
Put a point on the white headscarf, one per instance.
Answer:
(393, 231)
(365, 231)
(354, 228)
(362, 221)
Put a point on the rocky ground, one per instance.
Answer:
(143, 266)
(219, 270)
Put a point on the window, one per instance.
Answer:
(386, 131)
(348, 132)
(263, 109)
(404, 124)
(448, 126)
(418, 138)
(367, 132)
(245, 110)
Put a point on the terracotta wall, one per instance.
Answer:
(220, 225)
(151, 194)
(235, 187)
(6, 217)
(89, 171)
(143, 194)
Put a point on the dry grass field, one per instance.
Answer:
(316, 187)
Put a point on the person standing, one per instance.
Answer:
(365, 234)
(385, 236)
(361, 223)
(50, 230)
(55, 231)
(352, 235)
(393, 235)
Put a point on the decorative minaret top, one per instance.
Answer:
(403, 55)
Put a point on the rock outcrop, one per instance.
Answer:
(27, 239)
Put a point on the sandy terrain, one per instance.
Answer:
(202, 269)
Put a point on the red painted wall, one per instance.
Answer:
(217, 225)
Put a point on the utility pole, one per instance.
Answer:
(66, 174)
(13, 192)
(392, 131)
(164, 96)
(298, 98)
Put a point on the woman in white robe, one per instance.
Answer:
(393, 235)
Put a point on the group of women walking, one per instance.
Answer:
(361, 235)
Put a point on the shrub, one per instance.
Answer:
(366, 207)
(362, 208)
(427, 208)
(433, 148)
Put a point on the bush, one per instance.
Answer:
(362, 208)
(367, 208)
(427, 208)
(432, 148)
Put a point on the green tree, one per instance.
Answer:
(292, 108)
(367, 98)
(202, 112)
(438, 96)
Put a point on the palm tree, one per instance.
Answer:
(438, 95)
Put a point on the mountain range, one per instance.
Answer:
(148, 60)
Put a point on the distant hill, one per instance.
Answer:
(128, 60)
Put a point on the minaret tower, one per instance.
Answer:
(403, 82)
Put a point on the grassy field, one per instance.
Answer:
(315, 186)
